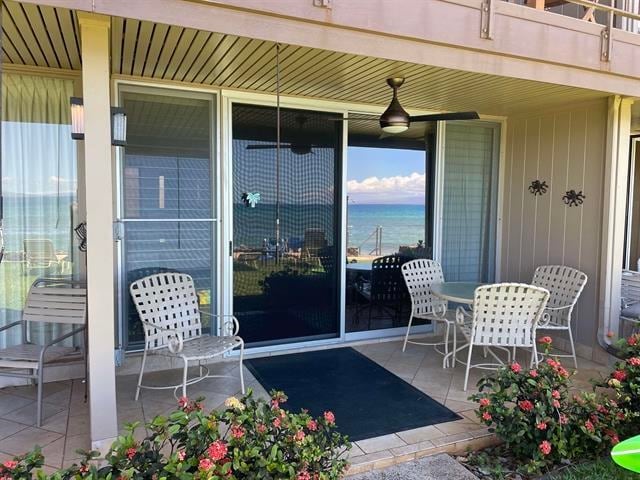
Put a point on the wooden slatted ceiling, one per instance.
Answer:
(40, 36)
(48, 37)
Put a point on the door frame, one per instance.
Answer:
(229, 98)
(119, 221)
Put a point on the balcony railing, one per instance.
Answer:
(620, 14)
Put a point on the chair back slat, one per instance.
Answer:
(169, 301)
(506, 314)
(56, 305)
(419, 275)
(565, 284)
(387, 284)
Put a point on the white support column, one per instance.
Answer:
(94, 30)
(614, 208)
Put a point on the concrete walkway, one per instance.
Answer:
(435, 467)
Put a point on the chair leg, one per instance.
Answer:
(185, 371)
(39, 399)
(455, 346)
(241, 368)
(534, 356)
(144, 359)
(466, 373)
(573, 349)
(446, 343)
(406, 335)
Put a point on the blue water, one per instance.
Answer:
(50, 217)
(401, 225)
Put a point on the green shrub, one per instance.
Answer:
(531, 411)
(249, 439)
(625, 378)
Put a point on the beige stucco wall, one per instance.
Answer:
(566, 148)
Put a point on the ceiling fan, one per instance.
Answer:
(395, 119)
(297, 145)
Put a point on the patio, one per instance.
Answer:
(66, 426)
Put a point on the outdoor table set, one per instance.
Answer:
(501, 316)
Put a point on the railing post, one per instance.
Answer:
(605, 39)
(486, 19)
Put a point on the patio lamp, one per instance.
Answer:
(118, 123)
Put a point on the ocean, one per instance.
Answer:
(401, 225)
(50, 217)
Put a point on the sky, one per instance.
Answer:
(385, 176)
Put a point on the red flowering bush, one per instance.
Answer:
(249, 439)
(531, 411)
(625, 378)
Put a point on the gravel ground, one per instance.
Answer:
(437, 467)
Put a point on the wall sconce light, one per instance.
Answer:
(118, 127)
(118, 123)
(77, 118)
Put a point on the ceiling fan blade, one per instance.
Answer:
(434, 117)
(355, 119)
(267, 147)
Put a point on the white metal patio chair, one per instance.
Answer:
(167, 305)
(419, 275)
(47, 303)
(565, 284)
(629, 303)
(504, 316)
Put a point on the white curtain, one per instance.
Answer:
(39, 186)
(468, 225)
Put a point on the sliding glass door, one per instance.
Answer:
(167, 200)
(389, 220)
(286, 224)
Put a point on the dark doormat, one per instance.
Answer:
(367, 399)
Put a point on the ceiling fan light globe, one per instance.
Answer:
(395, 128)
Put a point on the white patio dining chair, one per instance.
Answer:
(167, 305)
(47, 303)
(504, 315)
(565, 284)
(419, 275)
(629, 303)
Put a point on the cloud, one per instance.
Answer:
(398, 189)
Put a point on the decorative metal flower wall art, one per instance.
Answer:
(538, 187)
(573, 198)
(251, 199)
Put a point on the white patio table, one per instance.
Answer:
(458, 292)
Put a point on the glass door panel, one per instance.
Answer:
(286, 224)
(389, 212)
(167, 185)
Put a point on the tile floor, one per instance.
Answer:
(66, 424)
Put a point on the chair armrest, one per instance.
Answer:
(626, 302)
(12, 324)
(564, 307)
(544, 320)
(176, 341)
(233, 323)
(546, 317)
(73, 332)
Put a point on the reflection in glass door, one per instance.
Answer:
(286, 224)
(389, 220)
(167, 195)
